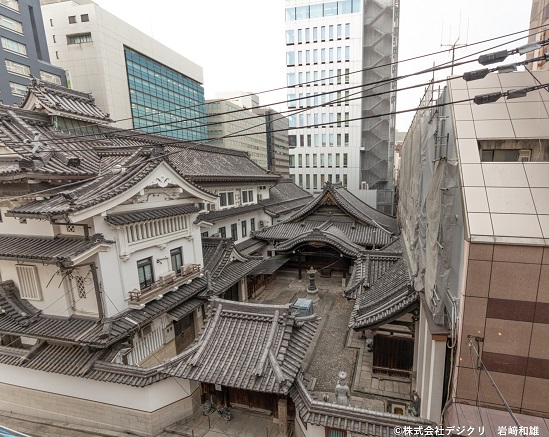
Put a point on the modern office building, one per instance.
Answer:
(138, 81)
(244, 99)
(24, 50)
(233, 127)
(539, 18)
(276, 131)
(333, 48)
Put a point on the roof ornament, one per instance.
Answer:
(342, 392)
(35, 142)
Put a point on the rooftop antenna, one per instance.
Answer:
(455, 45)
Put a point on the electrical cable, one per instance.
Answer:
(318, 80)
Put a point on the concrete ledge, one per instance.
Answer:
(67, 426)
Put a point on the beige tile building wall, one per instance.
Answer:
(538, 18)
(506, 304)
(49, 406)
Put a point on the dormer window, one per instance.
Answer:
(75, 127)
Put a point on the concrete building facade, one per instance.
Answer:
(138, 81)
(330, 49)
(232, 127)
(538, 18)
(24, 50)
(474, 213)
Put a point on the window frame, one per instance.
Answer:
(174, 253)
(234, 231)
(17, 43)
(72, 19)
(78, 38)
(3, 3)
(244, 228)
(142, 264)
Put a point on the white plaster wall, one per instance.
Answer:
(54, 298)
(99, 67)
(11, 225)
(148, 399)
(259, 215)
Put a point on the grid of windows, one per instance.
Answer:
(328, 9)
(164, 101)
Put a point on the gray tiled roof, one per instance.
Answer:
(21, 318)
(247, 346)
(78, 361)
(363, 235)
(18, 127)
(360, 211)
(326, 233)
(366, 271)
(59, 249)
(243, 246)
(358, 421)
(214, 216)
(390, 296)
(185, 308)
(285, 197)
(200, 162)
(145, 215)
(55, 98)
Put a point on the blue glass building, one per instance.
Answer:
(164, 101)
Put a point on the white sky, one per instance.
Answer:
(240, 44)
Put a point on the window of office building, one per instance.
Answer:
(50, 77)
(79, 39)
(12, 4)
(164, 101)
(14, 46)
(8, 23)
(15, 68)
(292, 161)
(72, 19)
(308, 181)
(345, 160)
(18, 89)
(289, 37)
(84, 18)
(315, 181)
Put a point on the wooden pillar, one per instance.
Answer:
(299, 265)
(282, 418)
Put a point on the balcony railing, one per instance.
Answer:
(146, 346)
(165, 284)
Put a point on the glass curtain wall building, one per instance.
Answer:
(337, 135)
(164, 101)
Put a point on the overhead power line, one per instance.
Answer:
(138, 133)
(141, 132)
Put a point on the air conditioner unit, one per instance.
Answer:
(524, 155)
(166, 277)
(262, 224)
(364, 185)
